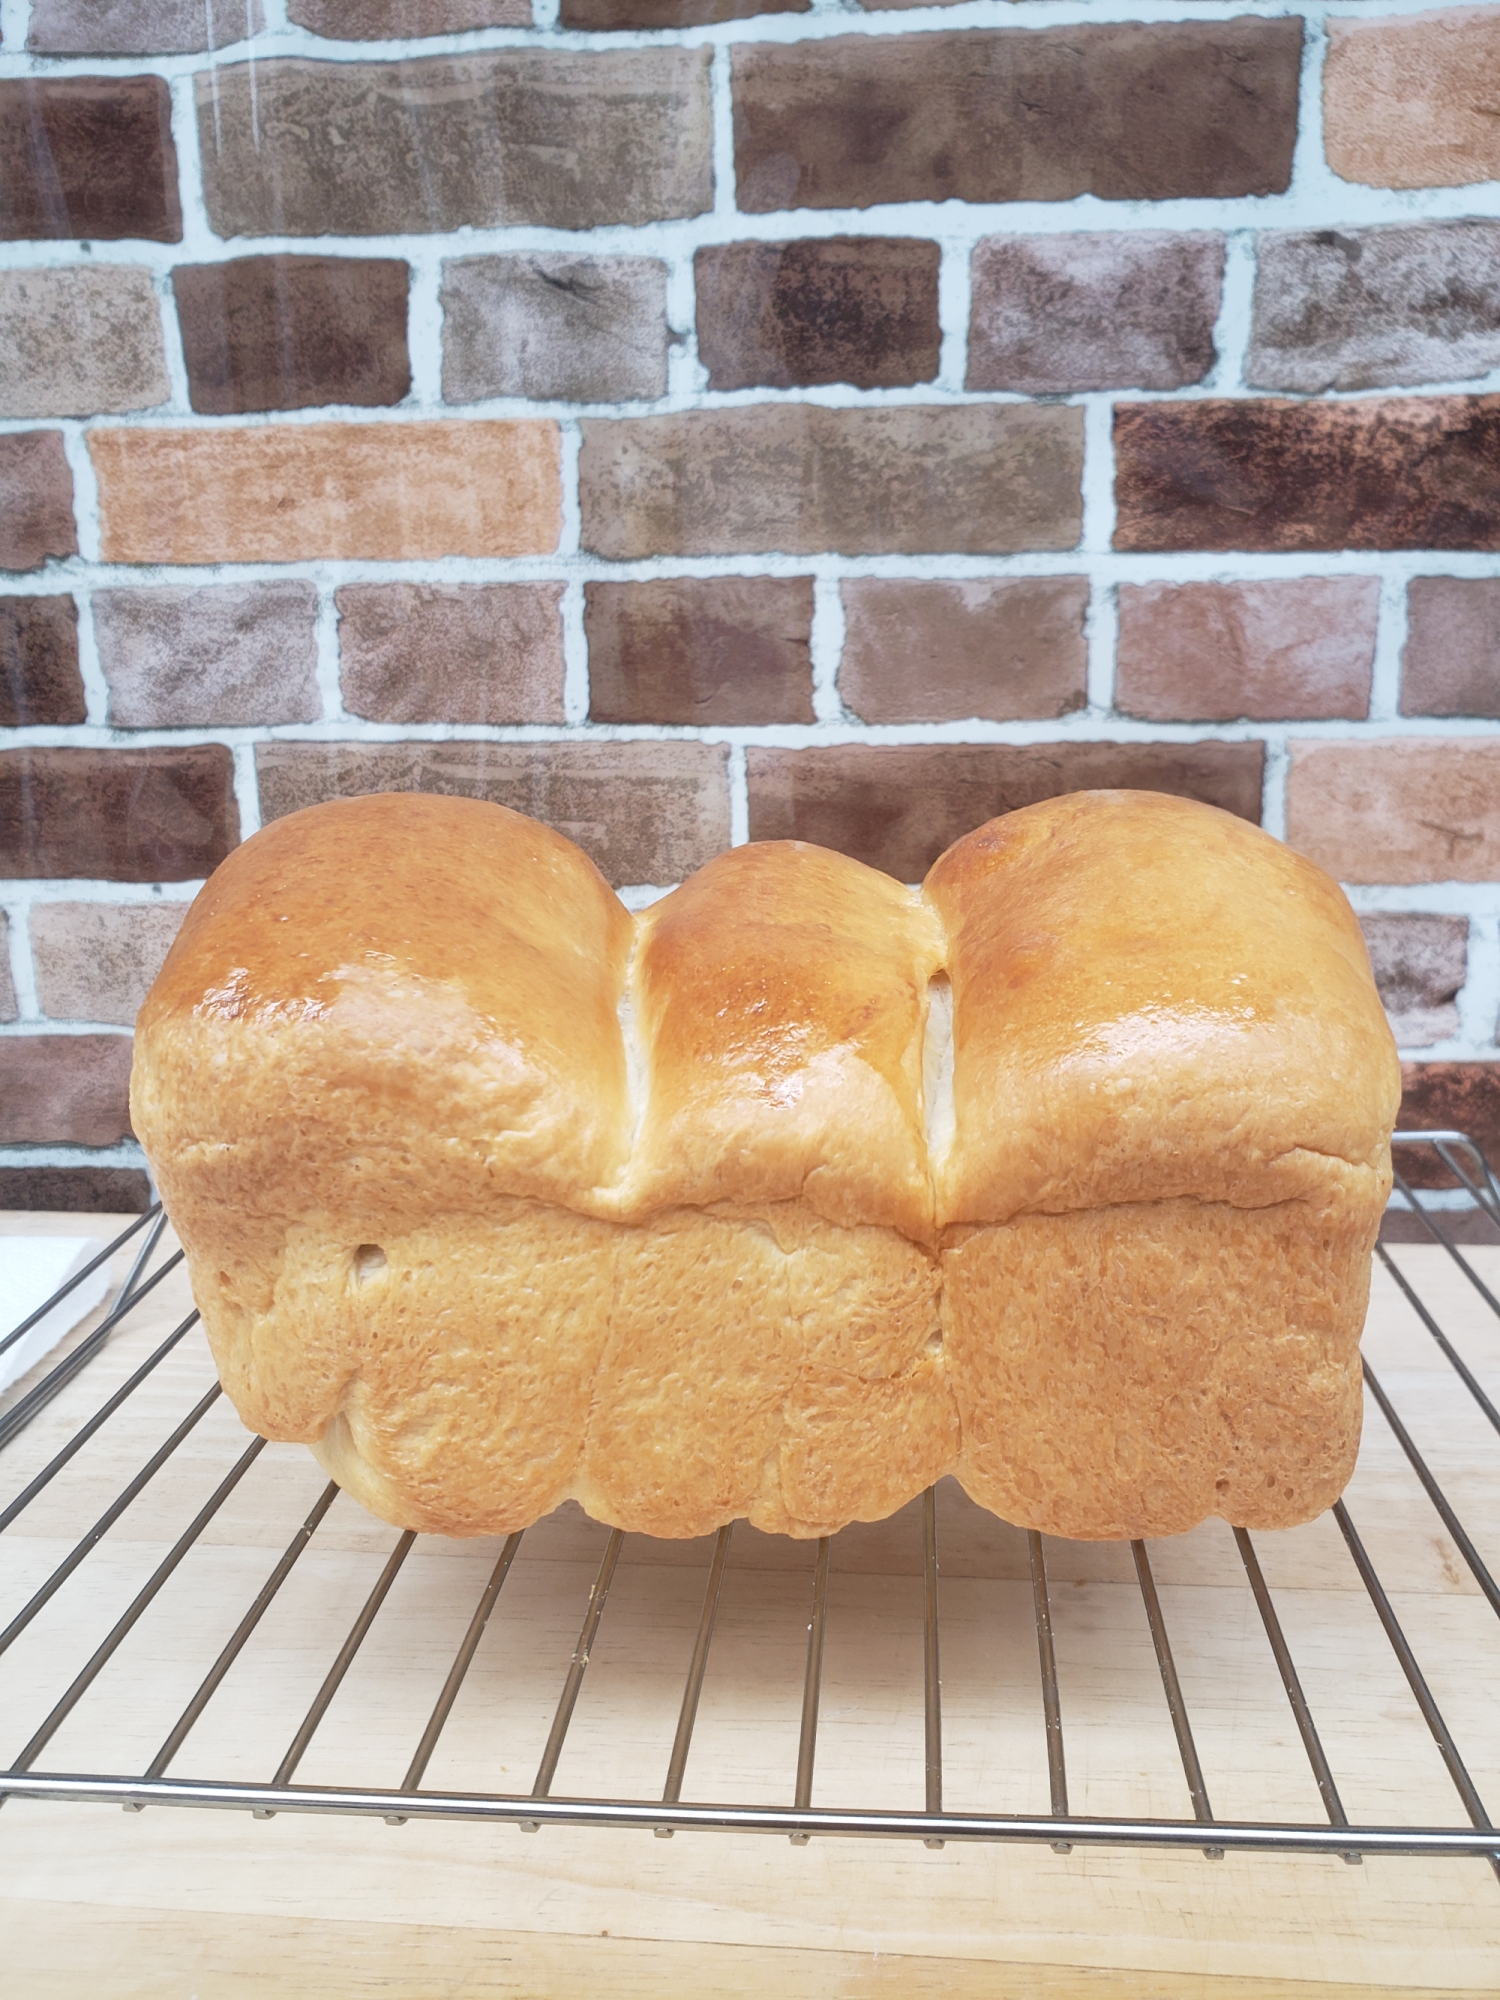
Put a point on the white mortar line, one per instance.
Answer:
(246, 789)
(22, 965)
(424, 329)
(85, 490)
(1098, 474)
(15, 23)
(827, 649)
(1477, 996)
(1101, 631)
(576, 692)
(1232, 327)
(954, 306)
(90, 666)
(571, 527)
(1273, 790)
(722, 99)
(1390, 640)
(739, 797)
(326, 669)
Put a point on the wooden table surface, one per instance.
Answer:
(113, 1904)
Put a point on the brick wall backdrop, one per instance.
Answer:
(692, 421)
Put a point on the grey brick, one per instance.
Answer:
(234, 652)
(1126, 309)
(550, 325)
(1451, 661)
(1359, 308)
(1420, 963)
(79, 341)
(140, 27)
(561, 139)
(644, 812)
(96, 961)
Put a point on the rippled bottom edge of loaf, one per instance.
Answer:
(1098, 1374)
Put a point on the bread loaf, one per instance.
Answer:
(494, 1195)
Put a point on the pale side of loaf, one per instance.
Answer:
(495, 1196)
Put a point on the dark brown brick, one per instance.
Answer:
(1112, 309)
(719, 649)
(39, 677)
(289, 333)
(979, 479)
(644, 812)
(898, 807)
(64, 1090)
(1457, 1097)
(1419, 962)
(860, 309)
(76, 1190)
(405, 20)
(140, 27)
(604, 15)
(1451, 662)
(1390, 473)
(36, 499)
(88, 156)
(558, 138)
(117, 815)
(1127, 112)
(451, 652)
(1002, 648)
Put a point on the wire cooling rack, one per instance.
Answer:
(94, 1649)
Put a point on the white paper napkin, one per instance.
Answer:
(31, 1269)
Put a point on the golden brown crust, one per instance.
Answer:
(435, 1229)
(1152, 999)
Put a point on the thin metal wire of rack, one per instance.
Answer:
(667, 1813)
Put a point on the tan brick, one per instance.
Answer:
(1112, 309)
(645, 812)
(1000, 648)
(981, 479)
(1412, 809)
(548, 324)
(96, 961)
(1419, 962)
(451, 652)
(1451, 662)
(897, 807)
(1302, 648)
(218, 653)
(1409, 101)
(82, 339)
(8, 1008)
(64, 1090)
(554, 138)
(701, 649)
(288, 492)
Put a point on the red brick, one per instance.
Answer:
(1410, 102)
(39, 677)
(289, 492)
(860, 309)
(1001, 648)
(1404, 809)
(405, 20)
(978, 479)
(451, 652)
(1451, 664)
(1457, 1097)
(64, 1090)
(140, 27)
(1388, 473)
(1127, 112)
(1302, 647)
(165, 815)
(88, 156)
(645, 812)
(1116, 309)
(719, 649)
(36, 499)
(290, 333)
(76, 1190)
(898, 807)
